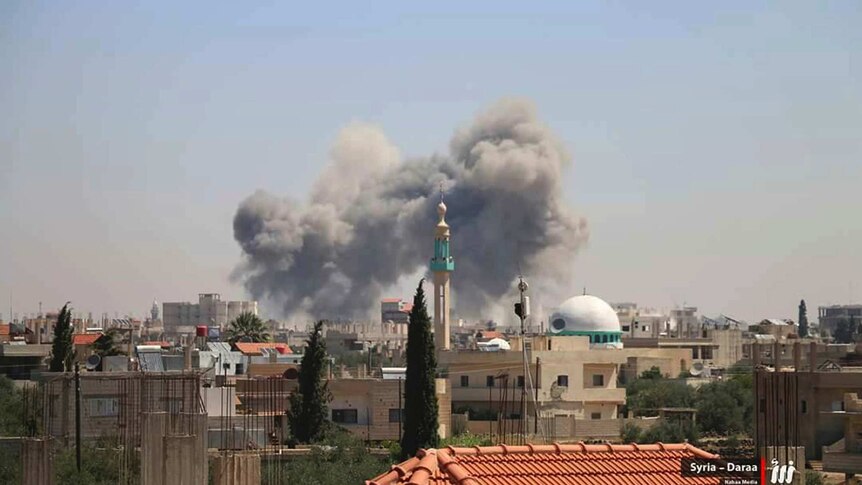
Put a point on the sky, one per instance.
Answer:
(717, 149)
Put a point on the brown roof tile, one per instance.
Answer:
(607, 464)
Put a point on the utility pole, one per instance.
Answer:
(78, 416)
(522, 309)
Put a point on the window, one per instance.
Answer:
(626, 328)
(646, 328)
(563, 381)
(103, 407)
(465, 381)
(598, 380)
(239, 369)
(596, 416)
(345, 416)
(489, 381)
(838, 405)
(394, 415)
(804, 406)
(520, 381)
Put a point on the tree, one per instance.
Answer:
(843, 331)
(803, 319)
(308, 413)
(107, 345)
(62, 353)
(247, 327)
(726, 407)
(645, 396)
(420, 400)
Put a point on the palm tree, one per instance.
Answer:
(247, 327)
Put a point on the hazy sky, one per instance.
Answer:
(717, 149)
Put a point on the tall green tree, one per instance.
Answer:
(247, 327)
(62, 353)
(420, 400)
(803, 319)
(108, 344)
(308, 413)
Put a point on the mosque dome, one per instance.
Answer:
(587, 315)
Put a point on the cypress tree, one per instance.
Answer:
(308, 413)
(420, 400)
(62, 352)
(803, 319)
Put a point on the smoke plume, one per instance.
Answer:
(371, 216)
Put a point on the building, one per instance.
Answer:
(574, 369)
(442, 264)
(556, 463)
(641, 322)
(366, 407)
(395, 311)
(684, 322)
(210, 310)
(829, 316)
(780, 329)
(801, 405)
(845, 455)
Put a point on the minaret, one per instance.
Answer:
(441, 265)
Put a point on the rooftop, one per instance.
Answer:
(85, 338)
(548, 464)
(254, 348)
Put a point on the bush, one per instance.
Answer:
(814, 478)
(344, 459)
(631, 433)
(670, 432)
(467, 440)
(100, 465)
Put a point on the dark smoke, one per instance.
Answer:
(370, 221)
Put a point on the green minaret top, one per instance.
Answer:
(442, 260)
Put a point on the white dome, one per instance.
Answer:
(585, 313)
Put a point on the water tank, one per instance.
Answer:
(201, 330)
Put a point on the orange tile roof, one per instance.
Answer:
(85, 338)
(390, 300)
(253, 348)
(656, 464)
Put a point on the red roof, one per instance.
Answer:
(390, 300)
(85, 338)
(407, 307)
(5, 329)
(548, 464)
(253, 348)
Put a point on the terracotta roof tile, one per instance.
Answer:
(85, 338)
(5, 329)
(654, 464)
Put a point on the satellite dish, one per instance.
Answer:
(93, 362)
(696, 369)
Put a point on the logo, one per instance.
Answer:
(782, 473)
